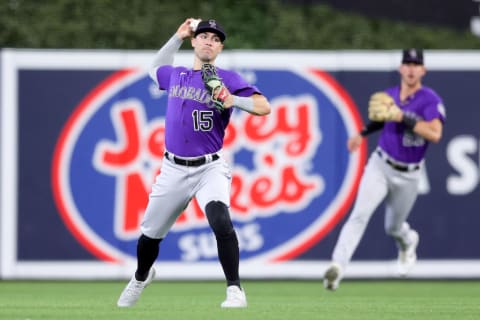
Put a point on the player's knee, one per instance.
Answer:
(393, 231)
(359, 220)
(219, 219)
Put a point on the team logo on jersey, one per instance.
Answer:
(292, 177)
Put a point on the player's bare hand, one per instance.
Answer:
(354, 143)
(185, 31)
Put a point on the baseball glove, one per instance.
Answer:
(214, 85)
(382, 107)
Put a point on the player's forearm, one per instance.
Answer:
(371, 127)
(165, 55)
(430, 130)
(256, 104)
(260, 105)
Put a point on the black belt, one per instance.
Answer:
(195, 162)
(396, 166)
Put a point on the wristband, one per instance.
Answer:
(244, 103)
(371, 127)
(409, 121)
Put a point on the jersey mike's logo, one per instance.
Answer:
(292, 177)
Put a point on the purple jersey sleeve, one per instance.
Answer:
(401, 143)
(193, 126)
(236, 84)
(434, 106)
(163, 76)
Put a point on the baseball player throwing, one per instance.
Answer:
(411, 115)
(200, 102)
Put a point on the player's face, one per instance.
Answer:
(207, 46)
(412, 73)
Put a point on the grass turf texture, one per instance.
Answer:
(301, 300)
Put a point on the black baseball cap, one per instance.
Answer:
(412, 56)
(211, 26)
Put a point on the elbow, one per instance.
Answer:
(262, 111)
(264, 108)
(436, 138)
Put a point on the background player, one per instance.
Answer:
(413, 118)
(194, 135)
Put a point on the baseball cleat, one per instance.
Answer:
(331, 279)
(235, 298)
(408, 257)
(133, 290)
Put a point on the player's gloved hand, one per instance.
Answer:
(382, 107)
(215, 86)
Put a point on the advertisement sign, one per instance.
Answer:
(82, 141)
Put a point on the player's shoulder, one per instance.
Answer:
(430, 93)
(171, 69)
(431, 97)
(179, 69)
(230, 78)
(226, 73)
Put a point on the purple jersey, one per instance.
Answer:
(401, 143)
(193, 126)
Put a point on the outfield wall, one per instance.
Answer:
(81, 140)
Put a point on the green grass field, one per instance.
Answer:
(299, 300)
